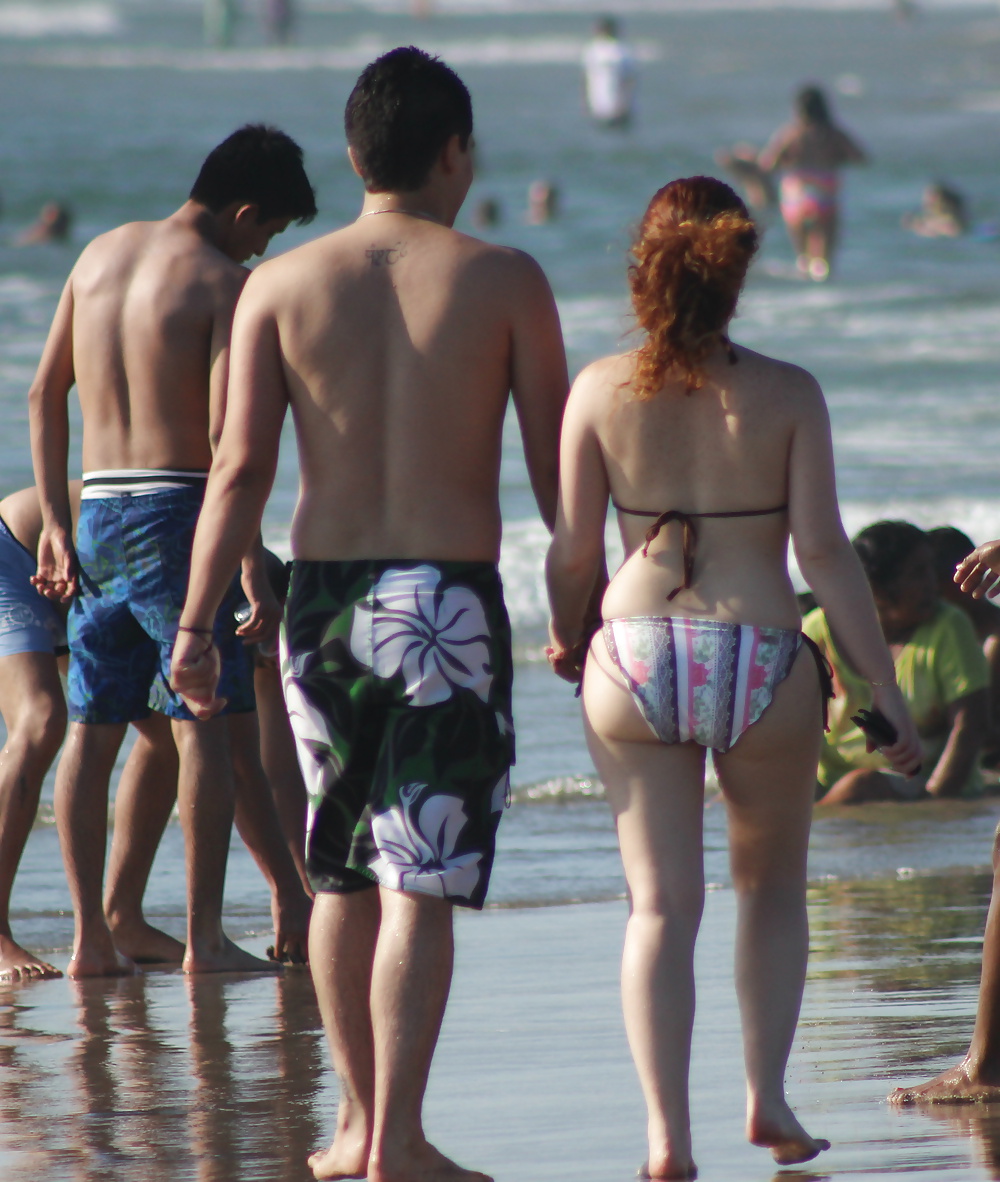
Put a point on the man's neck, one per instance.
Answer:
(422, 204)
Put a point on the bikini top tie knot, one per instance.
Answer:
(689, 536)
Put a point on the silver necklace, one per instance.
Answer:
(410, 213)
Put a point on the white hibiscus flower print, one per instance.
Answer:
(437, 640)
(313, 741)
(416, 844)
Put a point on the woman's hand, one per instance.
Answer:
(905, 754)
(566, 661)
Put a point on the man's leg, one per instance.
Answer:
(205, 801)
(81, 806)
(342, 937)
(34, 712)
(146, 794)
(411, 978)
(260, 828)
(977, 1077)
(281, 766)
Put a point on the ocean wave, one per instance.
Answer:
(29, 21)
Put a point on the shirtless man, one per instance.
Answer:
(396, 341)
(143, 329)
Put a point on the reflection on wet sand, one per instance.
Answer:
(211, 1080)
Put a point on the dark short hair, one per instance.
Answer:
(949, 546)
(257, 165)
(884, 547)
(811, 104)
(403, 109)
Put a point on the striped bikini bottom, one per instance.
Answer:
(701, 680)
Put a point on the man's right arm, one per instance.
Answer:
(48, 412)
(238, 486)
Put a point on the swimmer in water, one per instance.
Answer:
(809, 152)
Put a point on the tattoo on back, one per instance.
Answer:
(385, 256)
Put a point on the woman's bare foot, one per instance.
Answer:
(225, 958)
(779, 1131)
(347, 1157)
(145, 944)
(333, 1163)
(91, 962)
(17, 964)
(420, 1163)
(964, 1083)
(668, 1167)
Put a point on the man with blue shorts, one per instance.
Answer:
(142, 329)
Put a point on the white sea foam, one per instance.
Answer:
(30, 21)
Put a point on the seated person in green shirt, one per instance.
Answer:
(941, 671)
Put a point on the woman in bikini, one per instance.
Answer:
(712, 455)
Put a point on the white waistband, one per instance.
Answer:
(137, 482)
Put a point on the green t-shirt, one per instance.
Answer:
(942, 662)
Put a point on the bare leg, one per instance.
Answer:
(656, 792)
(860, 786)
(205, 800)
(259, 826)
(342, 937)
(146, 794)
(977, 1078)
(281, 765)
(34, 712)
(767, 779)
(81, 805)
(411, 977)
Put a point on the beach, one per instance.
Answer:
(225, 1078)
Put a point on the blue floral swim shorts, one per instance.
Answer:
(397, 676)
(135, 555)
(28, 622)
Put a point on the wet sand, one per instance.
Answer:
(225, 1078)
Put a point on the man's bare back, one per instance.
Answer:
(400, 340)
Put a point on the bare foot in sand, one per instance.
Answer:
(347, 1157)
(90, 961)
(226, 958)
(17, 964)
(145, 944)
(779, 1131)
(962, 1084)
(419, 1163)
(669, 1167)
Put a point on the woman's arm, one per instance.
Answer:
(575, 560)
(830, 566)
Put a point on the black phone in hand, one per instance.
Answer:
(876, 726)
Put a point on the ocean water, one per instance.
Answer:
(110, 108)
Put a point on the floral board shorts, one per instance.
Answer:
(397, 675)
(29, 623)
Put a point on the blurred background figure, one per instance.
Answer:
(421, 9)
(543, 203)
(54, 223)
(904, 10)
(279, 16)
(220, 17)
(808, 152)
(940, 668)
(740, 161)
(486, 213)
(609, 76)
(943, 214)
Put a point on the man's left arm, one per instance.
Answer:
(238, 486)
(963, 675)
(967, 719)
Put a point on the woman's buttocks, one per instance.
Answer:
(740, 574)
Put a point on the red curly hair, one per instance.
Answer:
(689, 264)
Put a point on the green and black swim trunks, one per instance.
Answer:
(397, 676)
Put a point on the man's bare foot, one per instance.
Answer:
(961, 1084)
(90, 962)
(225, 958)
(333, 1163)
(779, 1131)
(419, 1163)
(668, 1167)
(145, 944)
(291, 928)
(17, 964)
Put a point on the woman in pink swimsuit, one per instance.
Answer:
(712, 455)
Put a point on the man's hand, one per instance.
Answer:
(194, 673)
(979, 573)
(56, 577)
